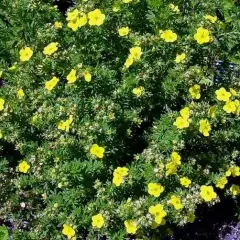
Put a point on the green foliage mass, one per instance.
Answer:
(66, 183)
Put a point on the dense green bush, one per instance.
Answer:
(124, 115)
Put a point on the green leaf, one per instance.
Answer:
(3, 233)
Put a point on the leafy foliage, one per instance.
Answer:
(160, 102)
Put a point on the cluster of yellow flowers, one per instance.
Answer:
(195, 91)
(174, 8)
(230, 106)
(97, 222)
(119, 174)
(65, 125)
(135, 55)
(77, 19)
(172, 165)
(183, 121)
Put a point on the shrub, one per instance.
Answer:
(124, 114)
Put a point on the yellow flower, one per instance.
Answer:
(138, 91)
(116, 7)
(82, 21)
(49, 85)
(23, 167)
(207, 193)
(131, 226)
(235, 189)
(117, 179)
(181, 123)
(191, 217)
(122, 171)
(50, 48)
(184, 181)
(228, 173)
(118, 175)
(72, 15)
(171, 168)
(127, 1)
(129, 61)
(195, 91)
(25, 54)
(237, 104)
(158, 212)
(155, 189)
(235, 171)
(123, 31)
(74, 24)
(210, 18)
(58, 25)
(180, 57)
(65, 125)
(2, 101)
(68, 231)
(229, 107)
(212, 111)
(98, 221)
(78, 22)
(202, 36)
(233, 92)
(169, 36)
(223, 95)
(221, 182)
(205, 127)
(71, 77)
(176, 202)
(136, 53)
(96, 18)
(174, 8)
(97, 151)
(20, 93)
(185, 112)
(176, 158)
(87, 76)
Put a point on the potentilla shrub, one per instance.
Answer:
(125, 115)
